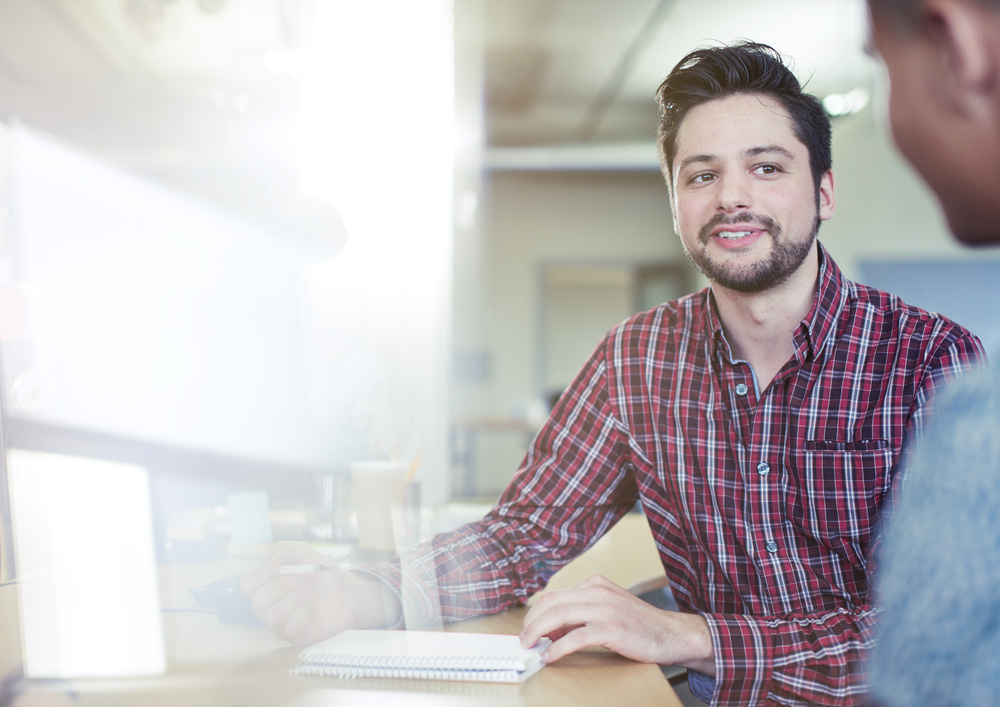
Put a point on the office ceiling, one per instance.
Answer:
(203, 93)
(571, 71)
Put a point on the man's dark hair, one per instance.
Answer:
(742, 68)
(910, 8)
(906, 11)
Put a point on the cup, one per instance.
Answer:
(331, 519)
(408, 522)
(249, 518)
(379, 490)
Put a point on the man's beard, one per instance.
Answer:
(786, 256)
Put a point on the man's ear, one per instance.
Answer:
(966, 32)
(827, 201)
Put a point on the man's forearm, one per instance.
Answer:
(699, 643)
(375, 604)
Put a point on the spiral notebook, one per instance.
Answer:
(427, 655)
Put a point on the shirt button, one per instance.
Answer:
(763, 468)
(772, 547)
(741, 389)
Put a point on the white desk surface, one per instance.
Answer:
(213, 664)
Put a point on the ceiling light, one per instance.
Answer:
(838, 104)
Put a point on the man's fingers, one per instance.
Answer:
(596, 612)
(559, 633)
(276, 601)
(292, 621)
(556, 612)
(284, 553)
(575, 639)
(556, 619)
(257, 577)
(301, 628)
(541, 618)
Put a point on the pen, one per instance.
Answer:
(303, 569)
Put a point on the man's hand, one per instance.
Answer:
(306, 608)
(597, 612)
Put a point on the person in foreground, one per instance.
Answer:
(939, 641)
(760, 422)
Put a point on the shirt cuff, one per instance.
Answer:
(417, 606)
(744, 653)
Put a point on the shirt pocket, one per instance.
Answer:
(835, 492)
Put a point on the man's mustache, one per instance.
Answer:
(765, 223)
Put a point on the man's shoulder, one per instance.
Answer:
(971, 405)
(874, 306)
(683, 315)
(887, 303)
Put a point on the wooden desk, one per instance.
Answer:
(212, 664)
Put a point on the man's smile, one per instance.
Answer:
(737, 231)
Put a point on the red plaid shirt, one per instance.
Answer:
(764, 504)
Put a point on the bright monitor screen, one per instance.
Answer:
(147, 314)
(86, 571)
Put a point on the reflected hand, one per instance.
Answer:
(597, 612)
(306, 608)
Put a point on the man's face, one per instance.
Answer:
(953, 152)
(744, 201)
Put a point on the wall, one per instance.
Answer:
(531, 219)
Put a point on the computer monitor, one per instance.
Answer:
(87, 582)
(143, 326)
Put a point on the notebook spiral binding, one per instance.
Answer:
(427, 668)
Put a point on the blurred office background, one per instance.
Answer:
(245, 242)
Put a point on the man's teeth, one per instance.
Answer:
(729, 235)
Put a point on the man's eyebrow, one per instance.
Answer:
(769, 150)
(696, 159)
(706, 158)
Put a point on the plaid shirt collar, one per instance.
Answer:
(817, 329)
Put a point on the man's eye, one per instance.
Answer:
(767, 169)
(702, 178)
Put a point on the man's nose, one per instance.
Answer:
(734, 193)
